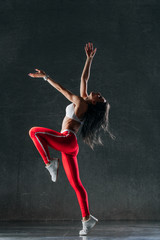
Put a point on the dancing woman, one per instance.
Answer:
(90, 112)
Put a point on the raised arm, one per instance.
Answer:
(86, 71)
(69, 95)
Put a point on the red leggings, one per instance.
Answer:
(66, 143)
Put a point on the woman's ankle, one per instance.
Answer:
(47, 164)
(85, 218)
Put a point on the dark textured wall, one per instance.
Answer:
(122, 178)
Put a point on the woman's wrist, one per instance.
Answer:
(45, 77)
(89, 58)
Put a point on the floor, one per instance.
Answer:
(68, 230)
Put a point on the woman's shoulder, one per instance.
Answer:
(82, 104)
(81, 108)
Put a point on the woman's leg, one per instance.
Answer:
(66, 143)
(40, 143)
(71, 168)
(44, 137)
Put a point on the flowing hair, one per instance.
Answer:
(95, 119)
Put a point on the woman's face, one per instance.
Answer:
(97, 97)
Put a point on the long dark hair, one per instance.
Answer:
(95, 119)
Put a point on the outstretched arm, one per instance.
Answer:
(69, 95)
(86, 71)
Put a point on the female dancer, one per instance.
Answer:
(89, 111)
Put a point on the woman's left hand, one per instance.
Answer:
(38, 74)
(89, 50)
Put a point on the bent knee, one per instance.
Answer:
(32, 131)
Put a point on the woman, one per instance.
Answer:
(89, 111)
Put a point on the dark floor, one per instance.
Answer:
(110, 230)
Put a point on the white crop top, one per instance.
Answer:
(70, 113)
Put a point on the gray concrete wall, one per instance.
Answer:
(122, 178)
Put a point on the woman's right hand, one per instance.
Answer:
(38, 74)
(89, 50)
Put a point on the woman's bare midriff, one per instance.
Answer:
(69, 123)
(72, 124)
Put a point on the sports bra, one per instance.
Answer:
(70, 113)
